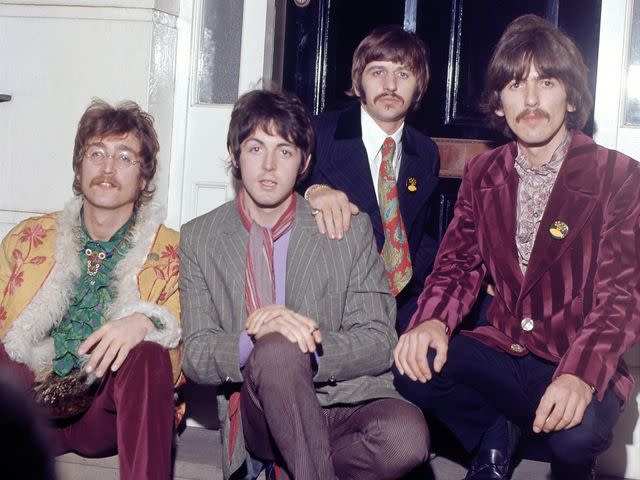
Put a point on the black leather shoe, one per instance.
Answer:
(493, 463)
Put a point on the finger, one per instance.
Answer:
(329, 223)
(317, 337)
(320, 222)
(440, 359)
(419, 355)
(422, 361)
(396, 355)
(107, 359)
(337, 213)
(411, 362)
(277, 326)
(258, 318)
(554, 418)
(542, 413)
(90, 342)
(578, 414)
(119, 360)
(354, 209)
(298, 330)
(344, 216)
(568, 413)
(309, 327)
(96, 355)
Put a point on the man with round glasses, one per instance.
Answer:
(94, 289)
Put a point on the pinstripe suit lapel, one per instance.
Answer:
(301, 255)
(572, 200)
(233, 251)
(497, 213)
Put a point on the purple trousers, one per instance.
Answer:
(132, 415)
(283, 422)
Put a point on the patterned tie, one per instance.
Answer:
(395, 252)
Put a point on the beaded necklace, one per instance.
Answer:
(95, 258)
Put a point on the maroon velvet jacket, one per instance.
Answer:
(582, 292)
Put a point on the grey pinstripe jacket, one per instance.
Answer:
(339, 283)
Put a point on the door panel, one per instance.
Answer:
(218, 77)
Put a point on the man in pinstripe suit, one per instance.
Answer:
(296, 329)
(553, 219)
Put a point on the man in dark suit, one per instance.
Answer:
(389, 75)
(553, 218)
(295, 328)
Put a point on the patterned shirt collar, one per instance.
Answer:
(551, 167)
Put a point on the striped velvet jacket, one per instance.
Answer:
(580, 293)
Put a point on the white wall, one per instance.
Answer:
(55, 57)
(623, 458)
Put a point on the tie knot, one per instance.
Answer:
(388, 147)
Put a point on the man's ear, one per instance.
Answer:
(356, 90)
(499, 112)
(232, 158)
(571, 107)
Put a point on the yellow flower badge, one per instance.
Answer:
(559, 230)
(412, 184)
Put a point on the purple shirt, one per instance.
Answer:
(280, 247)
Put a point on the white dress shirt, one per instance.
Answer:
(373, 137)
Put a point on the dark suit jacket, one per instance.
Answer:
(341, 161)
(582, 291)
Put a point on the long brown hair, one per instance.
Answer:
(527, 40)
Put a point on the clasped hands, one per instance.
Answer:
(278, 319)
(110, 344)
(561, 407)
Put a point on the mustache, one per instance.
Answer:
(388, 95)
(104, 179)
(538, 112)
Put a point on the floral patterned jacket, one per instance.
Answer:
(40, 265)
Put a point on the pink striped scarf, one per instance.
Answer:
(259, 279)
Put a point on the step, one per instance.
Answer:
(198, 457)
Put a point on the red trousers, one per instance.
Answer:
(132, 415)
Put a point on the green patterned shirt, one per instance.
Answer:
(93, 293)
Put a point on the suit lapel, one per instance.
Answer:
(233, 251)
(411, 168)
(497, 203)
(572, 200)
(348, 166)
(302, 251)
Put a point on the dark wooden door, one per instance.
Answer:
(320, 39)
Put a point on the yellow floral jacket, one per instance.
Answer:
(40, 265)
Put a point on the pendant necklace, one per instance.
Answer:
(95, 258)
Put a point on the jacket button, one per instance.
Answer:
(527, 324)
(332, 379)
(516, 347)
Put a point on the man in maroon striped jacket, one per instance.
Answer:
(552, 220)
